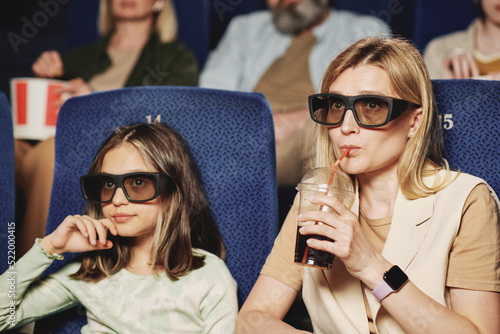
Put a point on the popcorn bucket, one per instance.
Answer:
(33, 107)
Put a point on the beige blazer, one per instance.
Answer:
(419, 241)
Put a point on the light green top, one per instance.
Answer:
(204, 301)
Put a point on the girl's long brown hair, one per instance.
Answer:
(185, 222)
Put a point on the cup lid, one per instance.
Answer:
(321, 175)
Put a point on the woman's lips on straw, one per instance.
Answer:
(352, 149)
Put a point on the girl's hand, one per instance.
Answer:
(48, 65)
(350, 246)
(79, 234)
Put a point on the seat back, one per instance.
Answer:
(81, 23)
(435, 18)
(231, 138)
(470, 115)
(193, 18)
(7, 186)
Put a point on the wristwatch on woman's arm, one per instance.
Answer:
(393, 280)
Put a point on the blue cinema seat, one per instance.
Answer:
(470, 115)
(231, 137)
(7, 186)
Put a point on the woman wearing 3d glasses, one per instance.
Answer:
(419, 250)
(153, 257)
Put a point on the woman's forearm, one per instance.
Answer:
(418, 313)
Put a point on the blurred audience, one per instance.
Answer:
(471, 53)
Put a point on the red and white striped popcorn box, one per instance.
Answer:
(34, 110)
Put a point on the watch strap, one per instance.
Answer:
(382, 290)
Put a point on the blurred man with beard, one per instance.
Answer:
(283, 52)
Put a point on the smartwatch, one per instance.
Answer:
(393, 280)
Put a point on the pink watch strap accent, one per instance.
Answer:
(382, 290)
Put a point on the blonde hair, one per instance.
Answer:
(403, 63)
(165, 22)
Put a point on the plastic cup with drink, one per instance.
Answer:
(320, 180)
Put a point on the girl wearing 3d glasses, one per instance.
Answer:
(419, 250)
(153, 257)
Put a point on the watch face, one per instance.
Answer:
(395, 278)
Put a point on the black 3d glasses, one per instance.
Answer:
(137, 187)
(370, 111)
